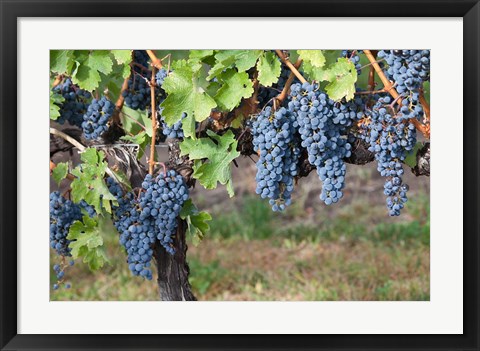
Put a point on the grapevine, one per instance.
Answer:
(75, 104)
(293, 112)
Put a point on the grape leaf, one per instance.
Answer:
(200, 54)
(219, 152)
(122, 179)
(87, 242)
(246, 59)
(320, 73)
(197, 225)
(411, 159)
(314, 57)
(122, 56)
(314, 73)
(135, 121)
(86, 75)
(235, 87)
(61, 61)
(111, 84)
(269, 69)
(426, 90)
(60, 172)
(55, 100)
(342, 77)
(186, 93)
(224, 59)
(89, 184)
(242, 59)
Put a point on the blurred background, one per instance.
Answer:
(351, 250)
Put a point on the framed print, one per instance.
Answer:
(236, 175)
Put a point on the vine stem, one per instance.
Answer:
(391, 90)
(151, 161)
(78, 145)
(120, 101)
(371, 75)
(290, 65)
(156, 62)
(67, 138)
(370, 92)
(280, 97)
(57, 81)
(135, 121)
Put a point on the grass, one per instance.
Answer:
(252, 253)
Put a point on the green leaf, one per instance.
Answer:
(269, 69)
(89, 184)
(135, 139)
(314, 57)
(61, 61)
(122, 56)
(185, 88)
(100, 60)
(60, 172)
(134, 120)
(219, 152)
(242, 59)
(246, 59)
(342, 77)
(411, 159)
(86, 74)
(200, 54)
(196, 221)
(224, 59)
(122, 178)
(123, 59)
(55, 101)
(426, 90)
(321, 73)
(235, 87)
(87, 242)
(312, 73)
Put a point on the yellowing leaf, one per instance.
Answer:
(314, 57)
(342, 77)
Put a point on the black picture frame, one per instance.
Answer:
(11, 10)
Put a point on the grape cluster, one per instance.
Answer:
(137, 238)
(151, 216)
(63, 213)
(75, 104)
(174, 131)
(323, 126)
(353, 56)
(141, 57)
(161, 203)
(95, 120)
(137, 95)
(275, 140)
(160, 76)
(390, 137)
(90, 210)
(408, 69)
(60, 270)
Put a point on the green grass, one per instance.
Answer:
(252, 253)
